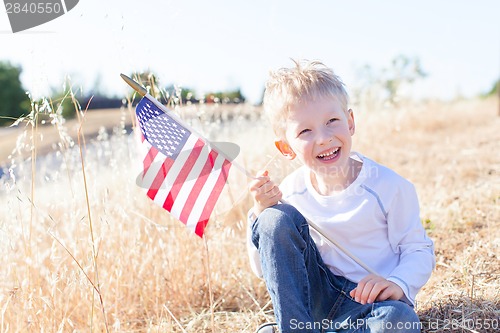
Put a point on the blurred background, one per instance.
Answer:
(383, 50)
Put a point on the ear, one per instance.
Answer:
(285, 149)
(350, 122)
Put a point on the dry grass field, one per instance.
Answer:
(84, 250)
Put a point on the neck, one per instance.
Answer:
(328, 184)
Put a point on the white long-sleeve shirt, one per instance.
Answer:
(376, 218)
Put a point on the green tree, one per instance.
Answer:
(403, 71)
(494, 90)
(387, 85)
(13, 99)
(63, 102)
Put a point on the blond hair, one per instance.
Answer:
(307, 80)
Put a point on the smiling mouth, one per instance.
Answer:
(330, 155)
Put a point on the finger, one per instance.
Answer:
(363, 289)
(262, 178)
(273, 189)
(352, 293)
(265, 190)
(261, 174)
(257, 184)
(365, 293)
(273, 200)
(384, 295)
(393, 292)
(355, 293)
(269, 187)
(377, 288)
(273, 194)
(269, 198)
(358, 291)
(277, 197)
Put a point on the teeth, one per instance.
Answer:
(329, 154)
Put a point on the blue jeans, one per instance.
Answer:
(306, 295)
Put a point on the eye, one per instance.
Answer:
(331, 121)
(303, 132)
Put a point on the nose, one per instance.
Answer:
(324, 137)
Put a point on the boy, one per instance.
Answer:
(367, 208)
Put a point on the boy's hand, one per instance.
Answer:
(375, 288)
(265, 193)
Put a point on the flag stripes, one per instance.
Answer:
(181, 172)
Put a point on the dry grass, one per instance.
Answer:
(155, 277)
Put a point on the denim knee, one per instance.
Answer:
(395, 316)
(278, 223)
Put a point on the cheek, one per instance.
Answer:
(297, 148)
(344, 133)
(301, 145)
(349, 134)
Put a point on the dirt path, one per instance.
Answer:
(48, 135)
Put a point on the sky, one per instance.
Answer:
(227, 44)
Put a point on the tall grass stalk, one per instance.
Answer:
(97, 285)
(34, 136)
(209, 282)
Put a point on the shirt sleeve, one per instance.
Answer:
(253, 252)
(407, 237)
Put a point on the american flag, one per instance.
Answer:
(181, 172)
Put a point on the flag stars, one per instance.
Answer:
(161, 130)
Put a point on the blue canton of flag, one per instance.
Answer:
(160, 130)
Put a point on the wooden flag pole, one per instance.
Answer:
(143, 92)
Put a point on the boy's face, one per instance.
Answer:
(318, 132)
